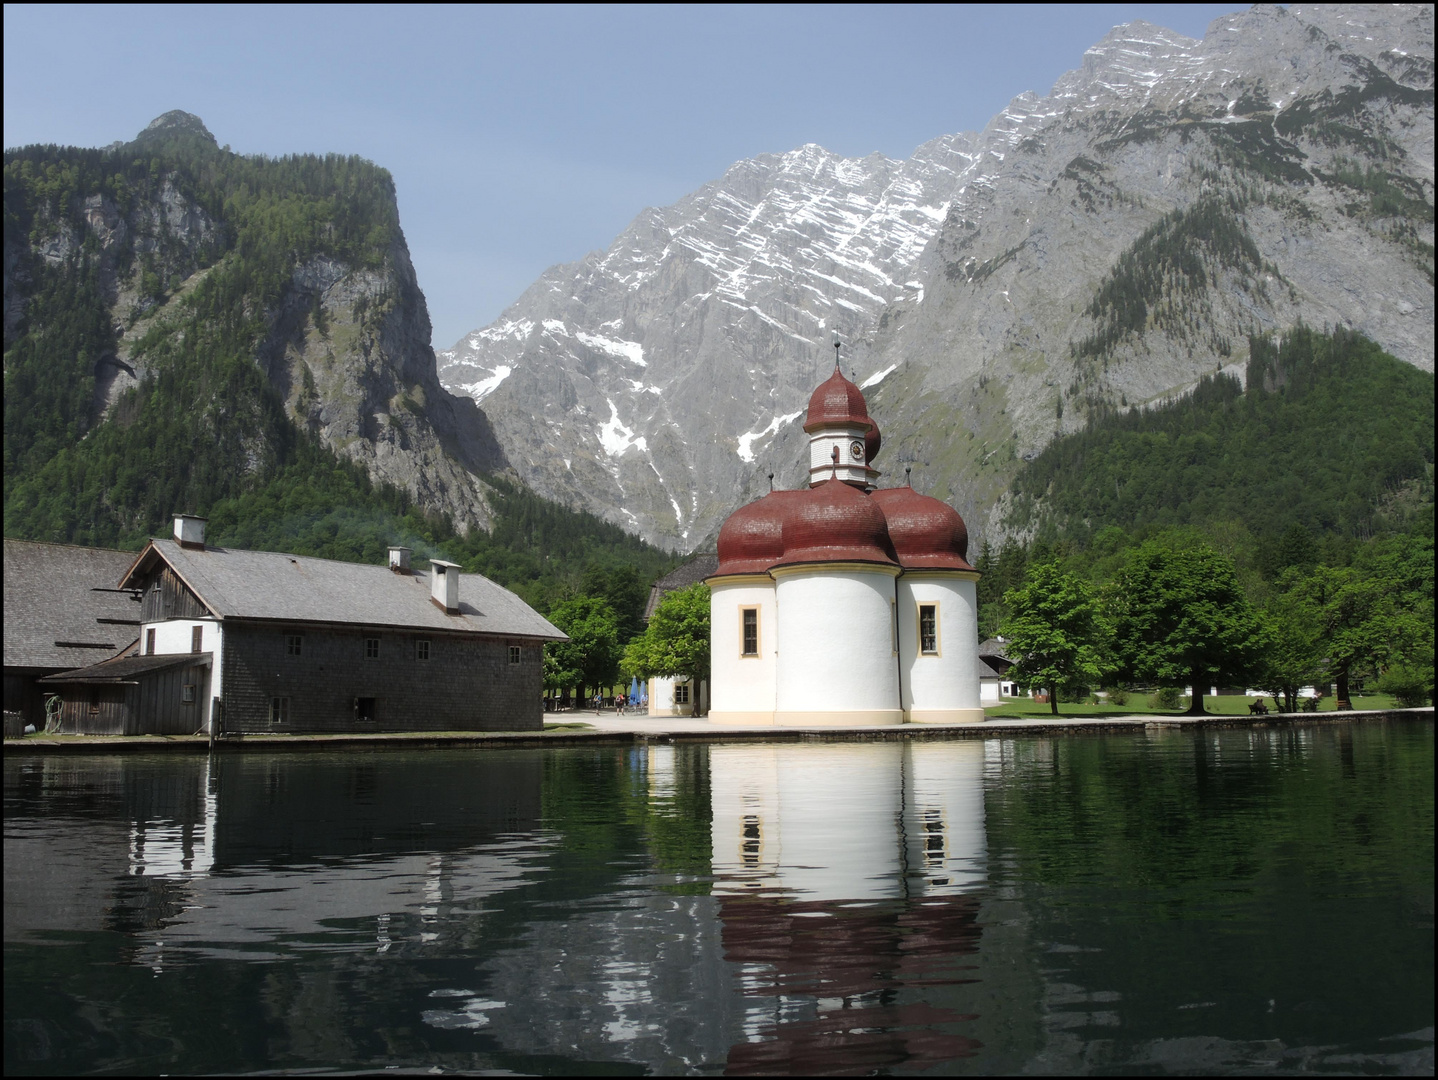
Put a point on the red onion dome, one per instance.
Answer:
(835, 522)
(752, 539)
(836, 401)
(927, 534)
(872, 442)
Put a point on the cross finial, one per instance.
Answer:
(836, 356)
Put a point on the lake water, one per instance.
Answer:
(1184, 902)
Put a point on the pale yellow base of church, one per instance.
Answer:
(946, 716)
(759, 719)
(851, 718)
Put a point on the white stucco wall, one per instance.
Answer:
(661, 698)
(949, 680)
(173, 636)
(743, 685)
(835, 646)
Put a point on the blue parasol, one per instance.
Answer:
(634, 688)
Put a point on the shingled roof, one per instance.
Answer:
(52, 613)
(681, 577)
(123, 669)
(273, 586)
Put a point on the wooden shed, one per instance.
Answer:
(135, 695)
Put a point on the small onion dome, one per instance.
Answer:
(837, 401)
(835, 522)
(872, 442)
(751, 539)
(927, 534)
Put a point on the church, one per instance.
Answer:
(844, 604)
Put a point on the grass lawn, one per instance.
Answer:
(1230, 705)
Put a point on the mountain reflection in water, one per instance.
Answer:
(1216, 903)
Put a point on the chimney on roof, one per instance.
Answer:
(399, 559)
(444, 585)
(190, 531)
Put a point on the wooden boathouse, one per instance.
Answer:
(234, 641)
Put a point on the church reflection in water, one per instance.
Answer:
(815, 907)
(846, 876)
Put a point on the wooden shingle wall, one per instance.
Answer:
(167, 597)
(99, 710)
(467, 684)
(162, 708)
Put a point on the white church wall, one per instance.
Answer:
(743, 686)
(835, 646)
(943, 688)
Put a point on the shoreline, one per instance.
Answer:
(642, 731)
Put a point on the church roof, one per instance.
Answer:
(834, 522)
(927, 534)
(752, 538)
(837, 401)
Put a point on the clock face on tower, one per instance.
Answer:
(856, 450)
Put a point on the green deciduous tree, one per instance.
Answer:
(1180, 616)
(1376, 614)
(590, 658)
(1292, 654)
(1055, 629)
(676, 641)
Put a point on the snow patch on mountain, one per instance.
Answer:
(625, 350)
(616, 438)
(749, 438)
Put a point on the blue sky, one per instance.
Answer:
(523, 137)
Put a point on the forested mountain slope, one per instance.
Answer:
(165, 296)
(1332, 435)
(1103, 246)
(187, 329)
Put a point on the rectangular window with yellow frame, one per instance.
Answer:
(749, 637)
(929, 629)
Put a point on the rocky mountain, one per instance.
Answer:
(1097, 248)
(166, 293)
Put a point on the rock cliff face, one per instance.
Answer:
(345, 343)
(1100, 247)
(349, 349)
